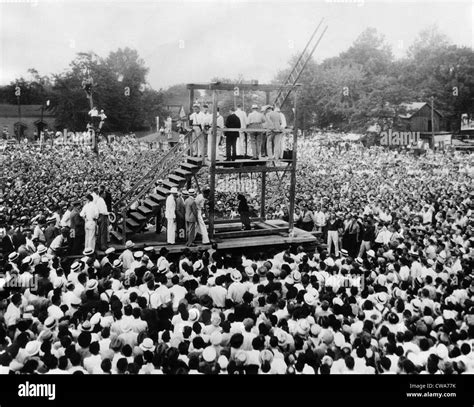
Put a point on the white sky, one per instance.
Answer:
(220, 38)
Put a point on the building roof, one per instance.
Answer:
(10, 110)
(414, 107)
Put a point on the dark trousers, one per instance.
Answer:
(245, 219)
(230, 147)
(102, 224)
(77, 244)
(190, 233)
(181, 228)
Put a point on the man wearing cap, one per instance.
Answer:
(90, 213)
(191, 217)
(51, 231)
(196, 120)
(255, 121)
(170, 215)
(127, 255)
(232, 122)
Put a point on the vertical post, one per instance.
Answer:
(293, 171)
(432, 121)
(19, 118)
(267, 97)
(124, 226)
(190, 134)
(262, 197)
(191, 100)
(212, 169)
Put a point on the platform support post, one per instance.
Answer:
(212, 168)
(293, 170)
(262, 198)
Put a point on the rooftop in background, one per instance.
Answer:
(7, 110)
(413, 107)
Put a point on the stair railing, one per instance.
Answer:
(166, 163)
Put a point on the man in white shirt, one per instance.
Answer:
(278, 140)
(90, 213)
(204, 148)
(197, 121)
(66, 218)
(220, 126)
(241, 144)
(200, 202)
(170, 215)
(255, 120)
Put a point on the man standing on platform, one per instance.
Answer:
(191, 217)
(255, 121)
(232, 122)
(170, 215)
(90, 213)
(77, 230)
(181, 215)
(278, 140)
(241, 140)
(200, 203)
(103, 222)
(197, 121)
(273, 124)
(207, 125)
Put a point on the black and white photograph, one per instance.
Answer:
(275, 193)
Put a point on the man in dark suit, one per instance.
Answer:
(77, 229)
(107, 197)
(181, 215)
(191, 216)
(51, 231)
(232, 122)
(7, 242)
(18, 238)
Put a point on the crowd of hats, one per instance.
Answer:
(37, 182)
(402, 307)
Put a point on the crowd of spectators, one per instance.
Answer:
(388, 290)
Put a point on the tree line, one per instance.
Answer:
(363, 85)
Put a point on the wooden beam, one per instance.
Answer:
(240, 170)
(224, 221)
(212, 168)
(262, 196)
(247, 130)
(293, 172)
(250, 233)
(241, 86)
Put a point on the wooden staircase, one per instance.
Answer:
(176, 169)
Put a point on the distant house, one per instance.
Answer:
(416, 116)
(29, 121)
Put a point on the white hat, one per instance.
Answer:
(129, 244)
(110, 250)
(13, 256)
(41, 249)
(91, 285)
(370, 253)
(75, 266)
(254, 106)
(32, 348)
(209, 354)
(191, 191)
(173, 190)
(309, 299)
(235, 275)
(88, 251)
(223, 362)
(147, 344)
(329, 262)
(117, 263)
(27, 260)
(138, 255)
(193, 315)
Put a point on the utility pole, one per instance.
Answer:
(17, 94)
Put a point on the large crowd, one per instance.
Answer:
(389, 289)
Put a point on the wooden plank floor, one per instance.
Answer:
(157, 241)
